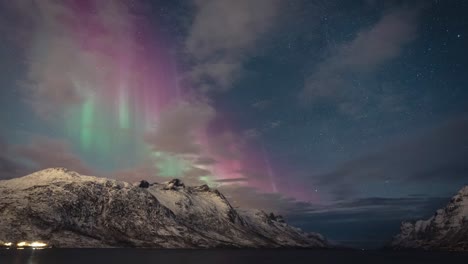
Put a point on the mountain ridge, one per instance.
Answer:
(67, 209)
(447, 229)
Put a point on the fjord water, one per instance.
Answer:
(143, 256)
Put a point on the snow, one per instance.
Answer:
(48, 176)
(447, 229)
(66, 209)
(184, 200)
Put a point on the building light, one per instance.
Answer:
(22, 244)
(38, 244)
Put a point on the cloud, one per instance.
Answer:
(194, 174)
(205, 161)
(45, 153)
(178, 126)
(433, 155)
(149, 171)
(370, 49)
(39, 153)
(400, 208)
(9, 168)
(222, 34)
(411, 206)
(67, 60)
(144, 171)
(275, 124)
(226, 145)
(368, 222)
(48, 53)
(262, 104)
(243, 179)
(251, 198)
(251, 133)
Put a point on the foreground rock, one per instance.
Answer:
(446, 230)
(66, 209)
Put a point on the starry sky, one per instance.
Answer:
(345, 116)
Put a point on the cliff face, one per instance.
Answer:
(446, 230)
(66, 209)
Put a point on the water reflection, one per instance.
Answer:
(143, 256)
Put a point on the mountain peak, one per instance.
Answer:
(66, 209)
(446, 229)
(174, 184)
(463, 191)
(44, 177)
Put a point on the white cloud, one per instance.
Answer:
(222, 34)
(45, 153)
(63, 56)
(370, 49)
(177, 127)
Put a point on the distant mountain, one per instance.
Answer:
(65, 209)
(446, 230)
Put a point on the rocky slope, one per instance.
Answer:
(66, 209)
(446, 230)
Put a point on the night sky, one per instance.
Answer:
(345, 116)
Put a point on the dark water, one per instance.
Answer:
(136, 256)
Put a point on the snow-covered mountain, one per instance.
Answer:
(66, 209)
(446, 230)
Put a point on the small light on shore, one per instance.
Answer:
(37, 244)
(22, 244)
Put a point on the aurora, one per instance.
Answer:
(330, 113)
